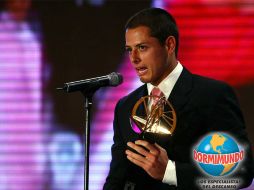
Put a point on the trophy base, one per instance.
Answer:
(149, 137)
(155, 137)
(141, 137)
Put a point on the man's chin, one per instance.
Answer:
(144, 80)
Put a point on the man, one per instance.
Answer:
(202, 105)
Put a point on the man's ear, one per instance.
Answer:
(170, 44)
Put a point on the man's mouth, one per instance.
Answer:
(141, 70)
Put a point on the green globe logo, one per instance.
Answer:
(218, 154)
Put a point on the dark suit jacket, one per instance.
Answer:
(202, 105)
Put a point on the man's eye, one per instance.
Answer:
(142, 48)
(128, 50)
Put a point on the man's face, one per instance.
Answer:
(149, 58)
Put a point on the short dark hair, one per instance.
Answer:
(160, 22)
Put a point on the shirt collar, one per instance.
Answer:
(168, 83)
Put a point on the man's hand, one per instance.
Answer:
(153, 158)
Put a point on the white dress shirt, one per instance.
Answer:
(166, 87)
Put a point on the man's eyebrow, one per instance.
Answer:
(137, 45)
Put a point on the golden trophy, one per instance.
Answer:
(157, 116)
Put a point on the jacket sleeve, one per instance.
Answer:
(116, 176)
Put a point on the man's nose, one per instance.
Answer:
(134, 56)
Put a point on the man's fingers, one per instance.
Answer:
(138, 148)
(137, 162)
(135, 156)
(148, 153)
(151, 147)
(159, 147)
(151, 157)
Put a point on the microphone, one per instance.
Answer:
(92, 84)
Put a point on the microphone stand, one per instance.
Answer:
(87, 107)
(88, 94)
(88, 91)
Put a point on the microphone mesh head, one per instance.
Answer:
(115, 79)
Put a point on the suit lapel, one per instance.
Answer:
(143, 92)
(180, 93)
